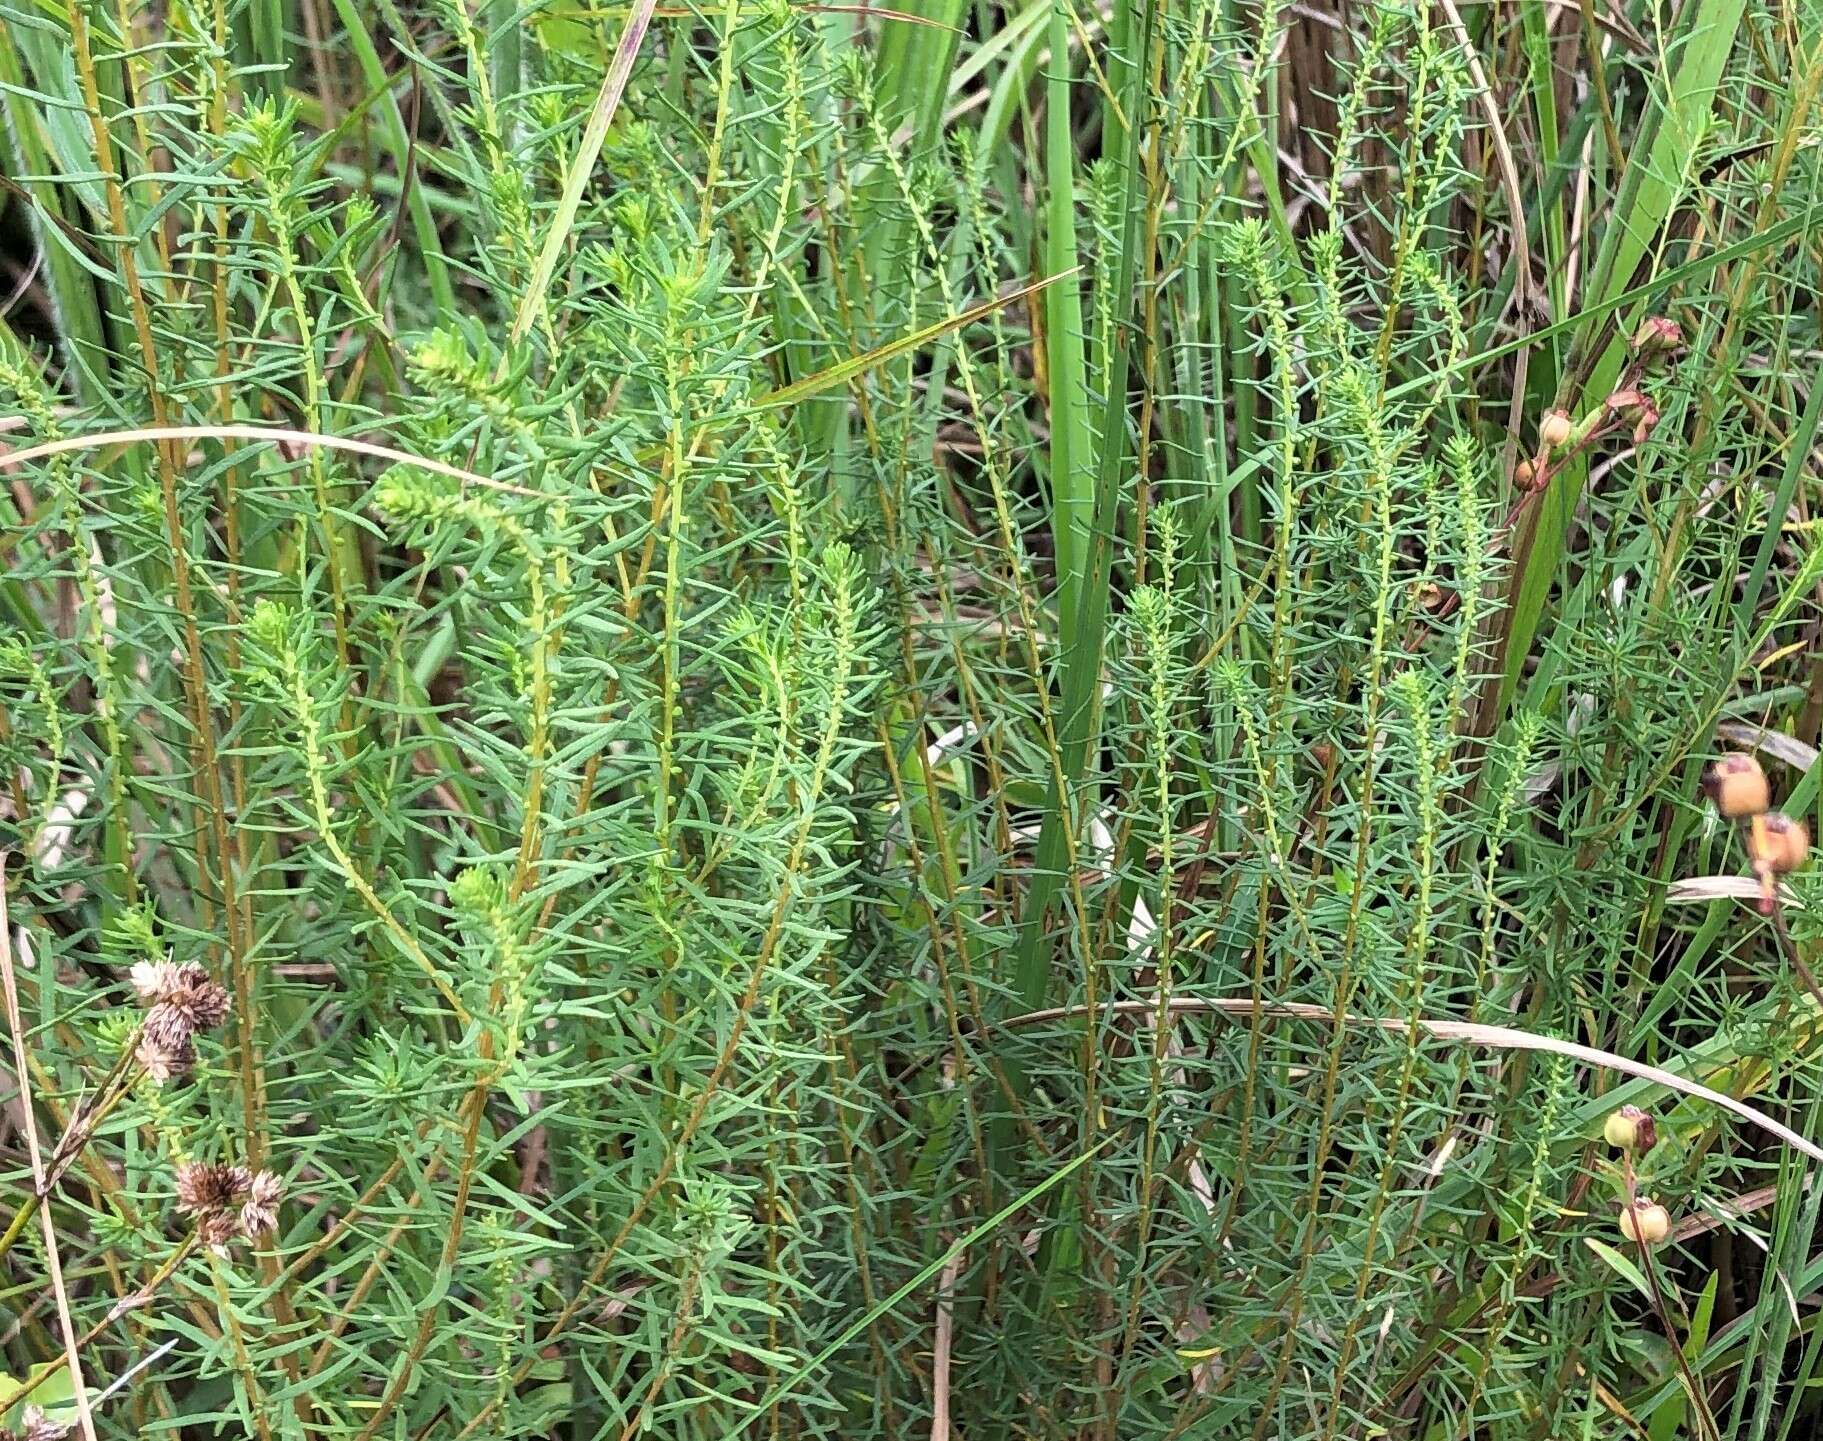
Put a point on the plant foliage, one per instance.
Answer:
(828, 692)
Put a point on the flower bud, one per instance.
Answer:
(1645, 1223)
(1555, 429)
(1657, 335)
(1737, 786)
(1630, 1129)
(1529, 477)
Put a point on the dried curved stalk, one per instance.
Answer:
(1471, 1033)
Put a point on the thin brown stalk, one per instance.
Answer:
(53, 1260)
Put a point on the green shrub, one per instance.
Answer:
(788, 721)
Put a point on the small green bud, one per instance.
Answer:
(270, 626)
(135, 931)
(358, 214)
(477, 893)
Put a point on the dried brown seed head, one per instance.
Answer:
(167, 1027)
(203, 1187)
(201, 1001)
(187, 1002)
(259, 1211)
(217, 1229)
(164, 1063)
(154, 980)
(228, 1201)
(1737, 786)
(36, 1426)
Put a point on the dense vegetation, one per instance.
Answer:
(976, 721)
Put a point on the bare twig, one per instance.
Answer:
(941, 1348)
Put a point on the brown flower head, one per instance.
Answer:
(201, 1003)
(167, 1028)
(228, 1201)
(181, 1000)
(203, 1187)
(164, 1063)
(217, 1229)
(259, 1211)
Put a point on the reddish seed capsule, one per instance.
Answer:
(1657, 335)
(1737, 786)
(1634, 408)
